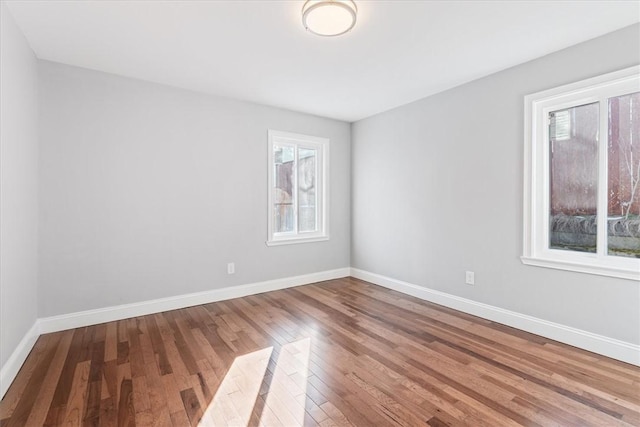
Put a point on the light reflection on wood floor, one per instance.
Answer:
(337, 353)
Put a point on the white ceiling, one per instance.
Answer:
(399, 51)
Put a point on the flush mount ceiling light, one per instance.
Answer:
(329, 17)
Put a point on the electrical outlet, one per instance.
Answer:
(231, 268)
(470, 278)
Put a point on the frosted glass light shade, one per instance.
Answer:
(329, 17)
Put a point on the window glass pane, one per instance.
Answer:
(307, 213)
(573, 178)
(283, 206)
(624, 176)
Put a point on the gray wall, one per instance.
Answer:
(149, 191)
(18, 186)
(437, 190)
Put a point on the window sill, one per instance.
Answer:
(296, 240)
(600, 270)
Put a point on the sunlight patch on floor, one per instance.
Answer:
(234, 400)
(285, 401)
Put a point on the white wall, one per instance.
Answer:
(18, 186)
(437, 190)
(148, 191)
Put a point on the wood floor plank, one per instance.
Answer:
(108, 414)
(17, 389)
(40, 408)
(126, 411)
(191, 406)
(63, 388)
(155, 386)
(28, 396)
(75, 406)
(337, 353)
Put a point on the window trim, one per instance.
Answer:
(320, 144)
(536, 176)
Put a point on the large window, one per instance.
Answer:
(297, 188)
(582, 176)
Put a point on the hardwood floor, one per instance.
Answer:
(342, 352)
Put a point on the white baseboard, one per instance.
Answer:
(125, 311)
(610, 347)
(14, 363)
(108, 314)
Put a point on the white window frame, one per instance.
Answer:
(537, 107)
(322, 187)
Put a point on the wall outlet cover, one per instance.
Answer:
(470, 278)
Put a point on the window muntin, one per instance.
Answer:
(573, 140)
(297, 188)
